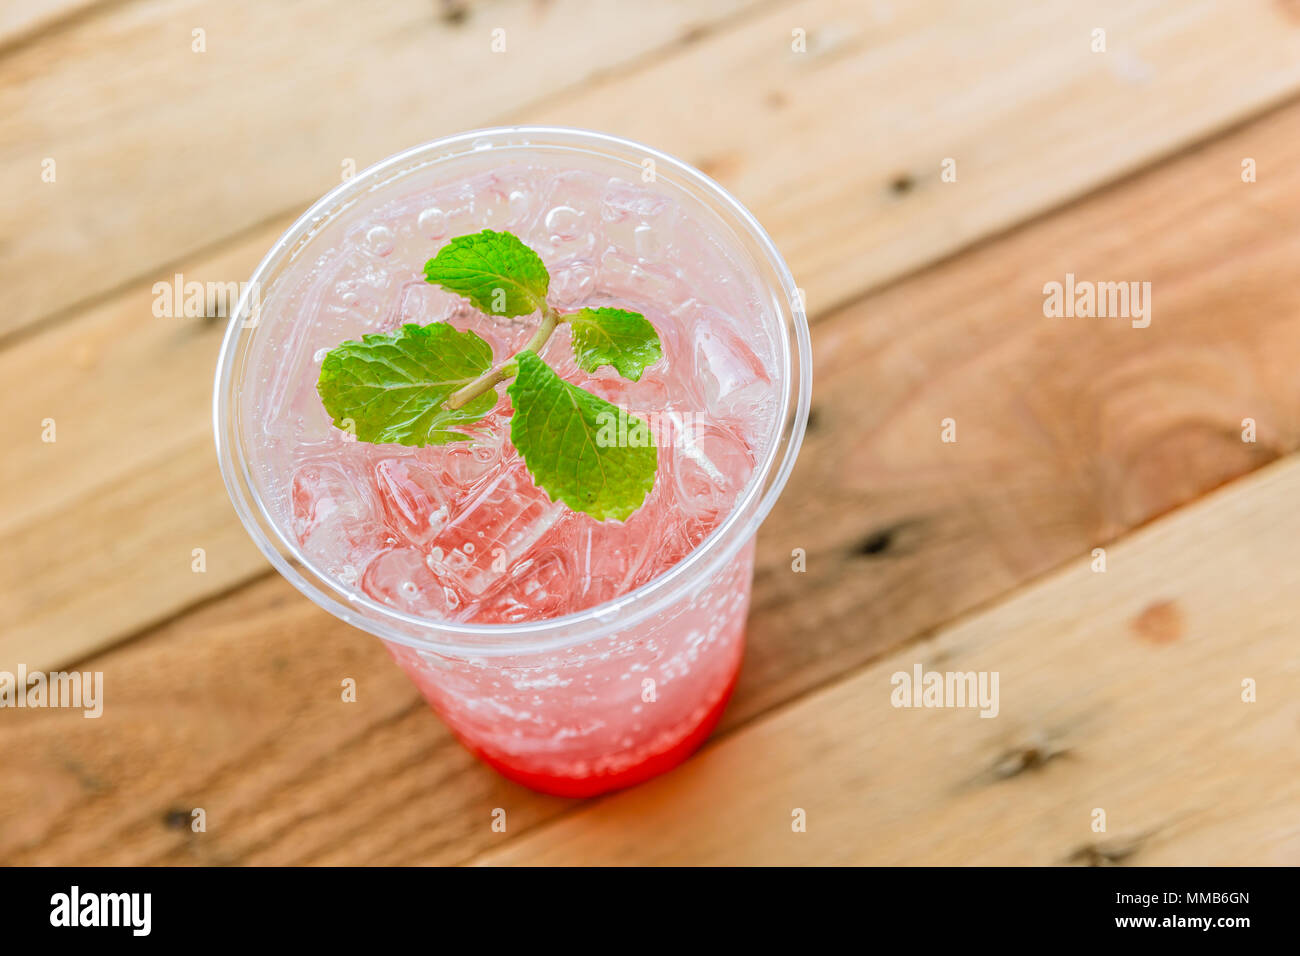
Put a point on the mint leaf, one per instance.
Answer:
(563, 432)
(494, 270)
(582, 450)
(626, 340)
(390, 387)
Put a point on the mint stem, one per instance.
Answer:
(495, 376)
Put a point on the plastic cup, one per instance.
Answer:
(592, 701)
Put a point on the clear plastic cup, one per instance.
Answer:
(592, 701)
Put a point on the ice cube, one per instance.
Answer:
(579, 189)
(493, 532)
(413, 496)
(624, 277)
(503, 199)
(421, 303)
(570, 215)
(711, 464)
(509, 201)
(335, 520)
(623, 199)
(729, 283)
(572, 283)
(734, 379)
(614, 558)
(624, 555)
(463, 465)
(638, 221)
(540, 587)
(402, 579)
(352, 302)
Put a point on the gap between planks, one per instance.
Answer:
(951, 809)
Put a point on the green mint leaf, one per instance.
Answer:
(494, 270)
(626, 340)
(568, 439)
(390, 387)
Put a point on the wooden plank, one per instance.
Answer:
(160, 150)
(102, 525)
(237, 709)
(839, 150)
(1070, 432)
(22, 21)
(882, 96)
(1140, 421)
(256, 734)
(1098, 709)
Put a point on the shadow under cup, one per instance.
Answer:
(591, 701)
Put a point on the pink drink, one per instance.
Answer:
(453, 547)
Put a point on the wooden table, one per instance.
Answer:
(183, 138)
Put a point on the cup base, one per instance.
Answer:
(590, 786)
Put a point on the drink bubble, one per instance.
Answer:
(432, 223)
(519, 204)
(379, 240)
(564, 223)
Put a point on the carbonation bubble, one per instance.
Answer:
(564, 222)
(432, 223)
(379, 240)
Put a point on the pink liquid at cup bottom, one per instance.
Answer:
(569, 782)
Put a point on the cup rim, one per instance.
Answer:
(625, 611)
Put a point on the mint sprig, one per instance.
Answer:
(418, 385)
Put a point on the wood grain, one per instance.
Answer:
(237, 709)
(837, 149)
(101, 524)
(129, 392)
(1070, 432)
(25, 22)
(1093, 715)
(162, 151)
